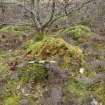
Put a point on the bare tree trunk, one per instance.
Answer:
(2, 6)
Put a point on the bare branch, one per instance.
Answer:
(37, 11)
(76, 8)
(72, 11)
(36, 17)
(33, 15)
(51, 16)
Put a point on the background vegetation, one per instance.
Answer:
(52, 52)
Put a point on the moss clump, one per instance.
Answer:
(4, 71)
(77, 90)
(32, 72)
(89, 73)
(11, 29)
(3, 55)
(16, 29)
(58, 49)
(98, 90)
(77, 31)
(13, 100)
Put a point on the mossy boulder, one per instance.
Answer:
(57, 49)
(77, 32)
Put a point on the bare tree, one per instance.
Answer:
(58, 9)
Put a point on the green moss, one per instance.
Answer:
(4, 71)
(89, 73)
(50, 48)
(85, 22)
(11, 87)
(16, 29)
(77, 31)
(77, 90)
(32, 72)
(13, 100)
(3, 55)
(98, 90)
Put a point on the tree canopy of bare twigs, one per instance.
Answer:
(45, 12)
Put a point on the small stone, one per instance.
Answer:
(81, 70)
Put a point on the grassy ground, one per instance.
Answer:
(76, 50)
